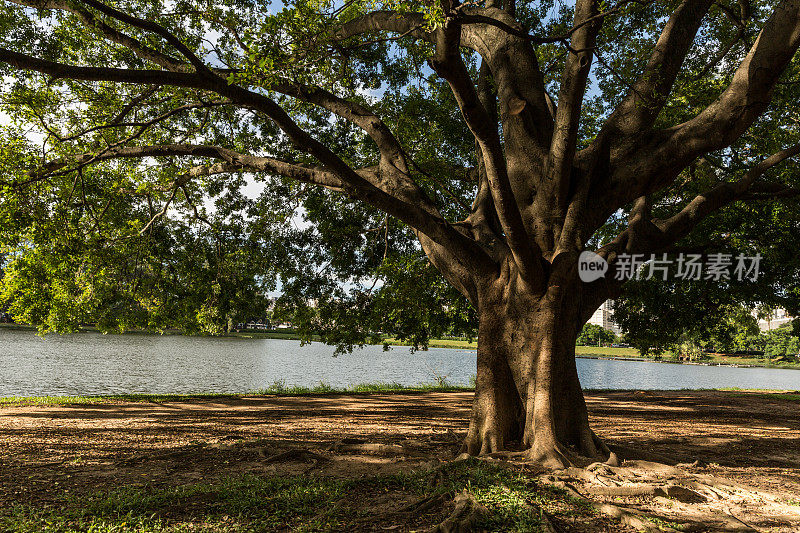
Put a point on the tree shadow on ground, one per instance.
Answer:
(46, 452)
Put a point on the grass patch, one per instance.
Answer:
(246, 503)
(720, 359)
(607, 351)
(111, 398)
(764, 394)
(50, 400)
(278, 388)
(439, 343)
(250, 503)
(598, 351)
(464, 344)
(269, 334)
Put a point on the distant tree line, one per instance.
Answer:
(672, 325)
(594, 335)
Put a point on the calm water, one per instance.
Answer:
(90, 363)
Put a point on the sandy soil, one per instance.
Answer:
(739, 455)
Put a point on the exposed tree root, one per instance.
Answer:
(555, 457)
(548, 525)
(648, 493)
(421, 506)
(677, 492)
(652, 496)
(464, 518)
(636, 520)
(375, 448)
(359, 446)
(747, 526)
(487, 443)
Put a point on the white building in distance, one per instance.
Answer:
(775, 320)
(604, 317)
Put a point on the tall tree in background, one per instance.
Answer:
(469, 123)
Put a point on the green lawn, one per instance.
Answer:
(268, 335)
(587, 351)
(438, 343)
(604, 351)
(751, 361)
(580, 350)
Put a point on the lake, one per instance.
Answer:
(91, 363)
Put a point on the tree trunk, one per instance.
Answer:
(527, 393)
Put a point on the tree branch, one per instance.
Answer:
(524, 111)
(644, 234)
(449, 64)
(120, 75)
(152, 27)
(483, 221)
(649, 94)
(680, 224)
(116, 122)
(512, 59)
(385, 20)
(395, 177)
(112, 34)
(666, 153)
(473, 18)
(232, 161)
(560, 159)
(751, 88)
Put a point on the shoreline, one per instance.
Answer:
(365, 391)
(786, 366)
(584, 352)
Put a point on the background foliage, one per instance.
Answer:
(91, 247)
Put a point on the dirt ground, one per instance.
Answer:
(738, 455)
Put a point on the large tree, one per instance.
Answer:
(508, 136)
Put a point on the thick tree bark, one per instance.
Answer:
(498, 415)
(528, 396)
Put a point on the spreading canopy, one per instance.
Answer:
(505, 135)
